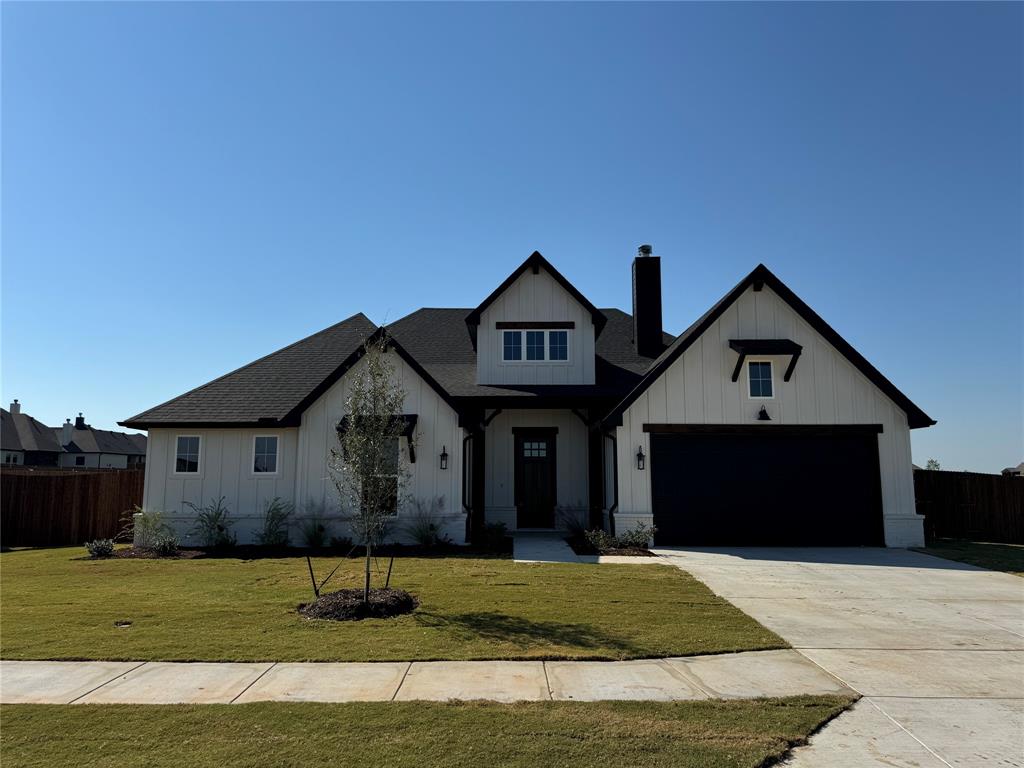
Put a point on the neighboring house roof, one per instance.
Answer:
(439, 339)
(536, 262)
(91, 440)
(1018, 470)
(20, 432)
(763, 276)
(273, 390)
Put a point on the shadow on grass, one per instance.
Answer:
(524, 633)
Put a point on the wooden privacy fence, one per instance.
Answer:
(51, 507)
(970, 505)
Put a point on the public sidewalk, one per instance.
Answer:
(735, 675)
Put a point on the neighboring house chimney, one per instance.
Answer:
(80, 422)
(647, 303)
(65, 432)
(15, 406)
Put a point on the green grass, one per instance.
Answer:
(59, 606)
(996, 557)
(709, 734)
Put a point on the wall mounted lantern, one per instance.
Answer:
(640, 458)
(444, 457)
(762, 415)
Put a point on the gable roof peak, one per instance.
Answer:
(535, 262)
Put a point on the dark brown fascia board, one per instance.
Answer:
(916, 418)
(764, 430)
(553, 324)
(534, 263)
(258, 424)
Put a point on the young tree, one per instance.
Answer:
(365, 467)
(932, 464)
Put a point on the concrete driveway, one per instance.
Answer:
(935, 647)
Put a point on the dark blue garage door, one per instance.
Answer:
(766, 486)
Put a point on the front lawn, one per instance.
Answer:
(996, 557)
(709, 734)
(59, 606)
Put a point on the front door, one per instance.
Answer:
(535, 478)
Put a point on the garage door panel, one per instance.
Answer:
(764, 489)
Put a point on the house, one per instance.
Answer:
(24, 441)
(759, 424)
(1017, 471)
(85, 446)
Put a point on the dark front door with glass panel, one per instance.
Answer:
(535, 478)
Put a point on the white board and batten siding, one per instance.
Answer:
(437, 428)
(535, 298)
(226, 460)
(571, 468)
(225, 469)
(825, 389)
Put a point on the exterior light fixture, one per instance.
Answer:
(640, 458)
(444, 457)
(762, 415)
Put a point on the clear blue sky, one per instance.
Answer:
(189, 186)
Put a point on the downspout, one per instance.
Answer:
(615, 479)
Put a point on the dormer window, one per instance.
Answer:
(541, 346)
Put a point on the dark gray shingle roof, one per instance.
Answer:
(91, 440)
(269, 390)
(440, 341)
(20, 432)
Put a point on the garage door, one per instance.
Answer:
(766, 486)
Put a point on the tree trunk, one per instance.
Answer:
(366, 582)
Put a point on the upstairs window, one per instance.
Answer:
(186, 457)
(558, 345)
(535, 345)
(759, 375)
(541, 346)
(513, 345)
(264, 459)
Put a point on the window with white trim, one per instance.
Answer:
(541, 346)
(512, 345)
(186, 455)
(759, 378)
(264, 454)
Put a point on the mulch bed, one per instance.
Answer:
(582, 547)
(149, 554)
(348, 605)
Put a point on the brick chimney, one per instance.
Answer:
(647, 303)
(15, 406)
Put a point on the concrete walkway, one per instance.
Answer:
(936, 648)
(738, 675)
(551, 547)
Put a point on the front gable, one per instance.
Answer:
(759, 310)
(535, 304)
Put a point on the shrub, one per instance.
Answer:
(493, 537)
(212, 524)
(166, 545)
(100, 548)
(342, 544)
(314, 526)
(276, 516)
(638, 537)
(600, 540)
(424, 525)
(148, 527)
(569, 519)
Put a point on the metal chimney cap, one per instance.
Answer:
(644, 250)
